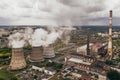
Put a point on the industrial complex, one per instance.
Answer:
(42, 54)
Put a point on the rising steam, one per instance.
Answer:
(28, 33)
(37, 37)
(16, 40)
(42, 37)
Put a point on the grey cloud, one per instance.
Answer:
(71, 3)
(4, 21)
(105, 20)
(58, 12)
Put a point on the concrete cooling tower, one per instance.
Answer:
(17, 60)
(48, 52)
(37, 54)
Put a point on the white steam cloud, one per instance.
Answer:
(28, 34)
(42, 37)
(38, 37)
(16, 40)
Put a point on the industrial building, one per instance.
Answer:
(98, 48)
(79, 61)
(83, 49)
(95, 49)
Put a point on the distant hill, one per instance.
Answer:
(98, 28)
(95, 28)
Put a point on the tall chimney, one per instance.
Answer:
(17, 60)
(37, 54)
(88, 42)
(110, 36)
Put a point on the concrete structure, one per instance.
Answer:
(48, 52)
(80, 61)
(98, 48)
(95, 49)
(37, 68)
(110, 37)
(83, 49)
(17, 60)
(37, 54)
(88, 43)
(47, 70)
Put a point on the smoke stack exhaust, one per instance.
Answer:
(37, 54)
(17, 60)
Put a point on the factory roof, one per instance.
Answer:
(85, 56)
(84, 46)
(98, 45)
(76, 60)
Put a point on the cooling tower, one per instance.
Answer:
(17, 60)
(48, 52)
(37, 54)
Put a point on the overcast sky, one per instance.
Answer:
(58, 12)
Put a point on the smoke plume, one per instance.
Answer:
(39, 37)
(28, 34)
(66, 34)
(42, 37)
(16, 40)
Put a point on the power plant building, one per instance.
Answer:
(83, 49)
(95, 49)
(79, 61)
(98, 48)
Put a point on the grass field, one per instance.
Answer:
(6, 75)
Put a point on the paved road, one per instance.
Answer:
(115, 69)
(66, 48)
